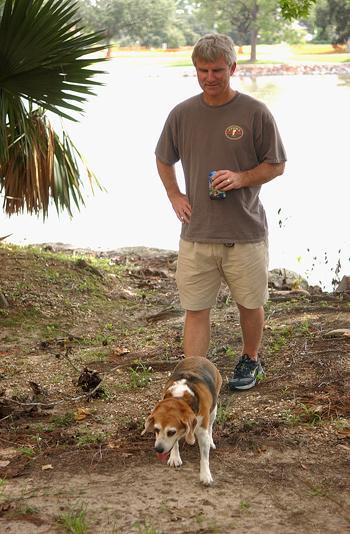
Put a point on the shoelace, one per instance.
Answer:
(244, 366)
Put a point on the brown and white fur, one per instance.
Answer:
(188, 409)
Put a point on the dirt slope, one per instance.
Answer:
(69, 461)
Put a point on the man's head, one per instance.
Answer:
(215, 60)
(212, 47)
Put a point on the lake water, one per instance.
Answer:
(118, 135)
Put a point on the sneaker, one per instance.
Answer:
(246, 373)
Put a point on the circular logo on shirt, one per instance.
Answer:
(234, 132)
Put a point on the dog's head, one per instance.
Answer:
(171, 420)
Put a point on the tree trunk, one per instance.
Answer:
(253, 42)
(254, 32)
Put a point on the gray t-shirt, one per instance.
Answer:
(238, 136)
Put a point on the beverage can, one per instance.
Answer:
(214, 194)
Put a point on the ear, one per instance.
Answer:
(233, 68)
(149, 425)
(190, 425)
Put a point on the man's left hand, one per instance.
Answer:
(225, 180)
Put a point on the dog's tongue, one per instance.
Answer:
(162, 456)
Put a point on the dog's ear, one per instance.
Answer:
(149, 425)
(190, 425)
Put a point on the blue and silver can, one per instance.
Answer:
(214, 194)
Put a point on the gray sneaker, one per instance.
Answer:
(246, 373)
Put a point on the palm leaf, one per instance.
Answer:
(43, 62)
(49, 166)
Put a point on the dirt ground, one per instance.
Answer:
(72, 462)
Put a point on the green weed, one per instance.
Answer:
(317, 491)
(2, 486)
(26, 451)
(28, 510)
(310, 414)
(140, 376)
(341, 423)
(90, 438)
(230, 353)
(74, 521)
(290, 418)
(61, 421)
(222, 414)
(244, 505)
(302, 414)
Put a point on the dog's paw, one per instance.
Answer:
(206, 478)
(175, 461)
(212, 445)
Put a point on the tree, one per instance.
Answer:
(42, 67)
(332, 21)
(146, 22)
(245, 20)
(295, 9)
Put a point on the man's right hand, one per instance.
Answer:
(181, 206)
(179, 201)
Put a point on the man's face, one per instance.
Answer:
(214, 79)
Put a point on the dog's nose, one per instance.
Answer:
(159, 448)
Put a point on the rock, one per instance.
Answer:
(82, 264)
(285, 279)
(344, 286)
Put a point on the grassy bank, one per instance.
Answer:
(279, 53)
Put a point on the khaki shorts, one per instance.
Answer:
(202, 266)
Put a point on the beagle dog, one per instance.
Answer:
(188, 409)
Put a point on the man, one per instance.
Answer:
(224, 235)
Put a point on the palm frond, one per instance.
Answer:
(43, 62)
(41, 166)
(43, 58)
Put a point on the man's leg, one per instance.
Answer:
(197, 333)
(252, 325)
(249, 367)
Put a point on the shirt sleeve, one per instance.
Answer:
(167, 147)
(268, 143)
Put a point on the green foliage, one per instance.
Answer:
(295, 9)
(43, 67)
(140, 376)
(332, 21)
(61, 421)
(26, 451)
(143, 22)
(222, 414)
(74, 521)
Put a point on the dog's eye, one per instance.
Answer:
(171, 433)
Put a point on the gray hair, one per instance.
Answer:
(213, 46)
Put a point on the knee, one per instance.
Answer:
(250, 312)
(198, 315)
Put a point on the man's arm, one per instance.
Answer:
(179, 201)
(226, 180)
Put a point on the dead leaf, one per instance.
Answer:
(46, 467)
(4, 463)
(81, 414)
(120, 351)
